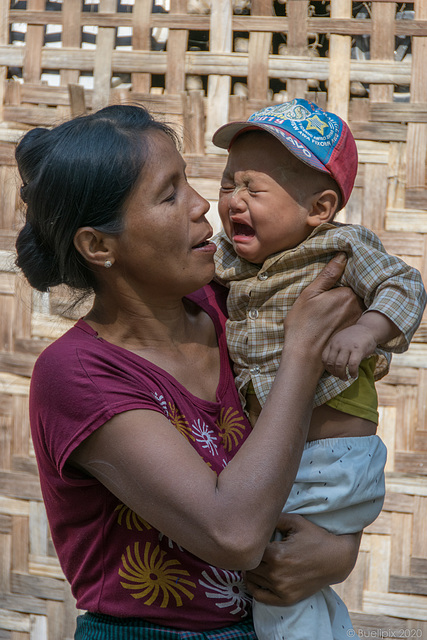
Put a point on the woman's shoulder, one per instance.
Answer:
(62, 358)
(63, 346)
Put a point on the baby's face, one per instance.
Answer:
(257, 200)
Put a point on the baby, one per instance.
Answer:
(290, 169)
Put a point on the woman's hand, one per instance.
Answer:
(306, 560)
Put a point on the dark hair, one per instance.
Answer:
(77, 174)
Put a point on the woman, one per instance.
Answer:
(157, 492)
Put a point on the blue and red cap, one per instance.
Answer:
(318, 138)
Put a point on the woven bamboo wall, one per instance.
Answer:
(197, 66)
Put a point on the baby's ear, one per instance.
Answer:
(323, 207)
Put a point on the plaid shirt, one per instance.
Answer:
(260, 297)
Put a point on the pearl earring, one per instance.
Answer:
(108, 264)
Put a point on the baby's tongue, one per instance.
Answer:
(243, 230)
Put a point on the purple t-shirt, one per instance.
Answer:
(117, 563)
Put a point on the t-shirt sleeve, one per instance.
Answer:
(75, 391)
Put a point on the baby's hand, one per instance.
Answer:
(346, 349)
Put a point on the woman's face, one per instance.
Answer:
(165, 242)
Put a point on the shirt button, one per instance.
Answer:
(253, 314)
(255, 369)
(263, 276)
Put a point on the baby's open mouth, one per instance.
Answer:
(240, 229)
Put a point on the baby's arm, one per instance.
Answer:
(393, 293)
(346, 349)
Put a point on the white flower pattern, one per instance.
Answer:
(205, 436)
(171, 542)
(228, 588)
(162, 402)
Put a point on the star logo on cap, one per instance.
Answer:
(317, 124)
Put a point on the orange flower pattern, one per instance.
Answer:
(157, 578)
(131, 519)
(152, 576)
(230, 427)
(179, 422)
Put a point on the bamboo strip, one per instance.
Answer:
(396, 605)
(141, 40)
(206, 62)
(218, 87)
(102, 70)
(382, 46)
(276, 24)
(339, 68)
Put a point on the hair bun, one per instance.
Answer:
(36, 262)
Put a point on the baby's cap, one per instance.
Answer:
(316, 137)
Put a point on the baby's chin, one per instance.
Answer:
(247, 254)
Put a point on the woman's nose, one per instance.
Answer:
(201, 205)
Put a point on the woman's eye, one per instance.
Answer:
(170, 198)
(227, 187)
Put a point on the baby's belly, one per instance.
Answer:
(327, 422)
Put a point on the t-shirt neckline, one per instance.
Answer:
(223, 353)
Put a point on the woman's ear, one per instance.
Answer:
(323, 207)
(95, 246)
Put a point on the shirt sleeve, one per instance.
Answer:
(384, 282)
(73, 393)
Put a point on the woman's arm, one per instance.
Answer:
(227, 520)
(306, 560)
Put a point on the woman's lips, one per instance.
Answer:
(205, 246)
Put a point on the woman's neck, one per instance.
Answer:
(134, 324)
(177, 336)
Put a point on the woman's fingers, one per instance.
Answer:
(328, 277)
(306, 560)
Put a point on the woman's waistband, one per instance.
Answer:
(94, 626)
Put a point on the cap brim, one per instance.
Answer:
(225, 135)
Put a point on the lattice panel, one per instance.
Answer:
(198, 64)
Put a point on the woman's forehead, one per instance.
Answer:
(163, 163)
(161, 157)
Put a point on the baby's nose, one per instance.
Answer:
(235, 198)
